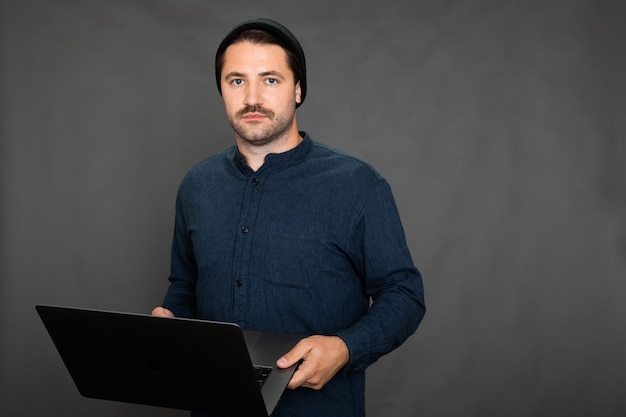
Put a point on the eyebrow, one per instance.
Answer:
(272, 73)
(235, 74)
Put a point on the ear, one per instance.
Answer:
(298, 93)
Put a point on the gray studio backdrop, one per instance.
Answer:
(499, 124)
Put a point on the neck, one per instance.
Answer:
(255, 154)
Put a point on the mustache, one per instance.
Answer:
(255, 109)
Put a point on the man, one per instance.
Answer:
(281, 233)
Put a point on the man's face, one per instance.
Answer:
(259, 92)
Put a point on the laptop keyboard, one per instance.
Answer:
(262, 372)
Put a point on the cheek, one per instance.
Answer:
(230, 104)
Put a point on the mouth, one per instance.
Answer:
(254, 116)
(254, 113)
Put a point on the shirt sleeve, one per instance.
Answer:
(380, 252)
(180, 298)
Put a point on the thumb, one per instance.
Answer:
(293, 356)
(162, 312)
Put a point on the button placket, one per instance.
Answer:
(241, 286)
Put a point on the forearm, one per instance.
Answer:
(393, 316)
(180, 299)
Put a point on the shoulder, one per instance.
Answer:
(341, 164)
(351, 183)
(215, 162)
(214, 168)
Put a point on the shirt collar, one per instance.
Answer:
(277, 161)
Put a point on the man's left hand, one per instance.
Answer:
(322, 357)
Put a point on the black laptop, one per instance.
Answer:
(170, 362)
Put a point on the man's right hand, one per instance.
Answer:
(162, 312)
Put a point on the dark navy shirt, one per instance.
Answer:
(303, 245)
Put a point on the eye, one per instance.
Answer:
(271, 81)
(237, 81)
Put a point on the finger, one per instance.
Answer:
(162, 312)
(299, 378)
(307, 374)
(294, 355)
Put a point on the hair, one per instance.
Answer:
(261, 37)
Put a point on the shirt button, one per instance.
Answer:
(245, 229)
(255, 181)
(238, 283)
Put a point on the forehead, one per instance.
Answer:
(246, 56)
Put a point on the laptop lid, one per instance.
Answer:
(168, 362)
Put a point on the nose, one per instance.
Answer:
(253, 95)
